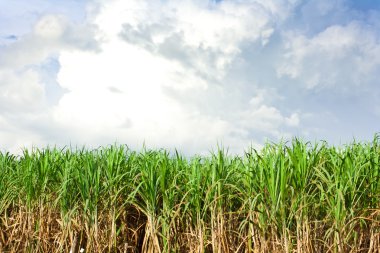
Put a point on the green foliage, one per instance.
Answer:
(308, 196)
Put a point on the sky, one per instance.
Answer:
(191, 75)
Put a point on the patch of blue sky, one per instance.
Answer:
(48, 71)
(314, 16)
(364, 5)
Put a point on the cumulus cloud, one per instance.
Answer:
(191, 74)
(50, 35)
(202, 36)
(354, 48)
(20, 91)
(24, 84)
(169, 69)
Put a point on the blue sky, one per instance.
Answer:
(365, 5)
(188, 74)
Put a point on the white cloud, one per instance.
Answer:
(23, 97)
(266, 118)
(339, 57)
(186, 74)
(21, 92)
(50, 27)
(50, 35)
(159, 58)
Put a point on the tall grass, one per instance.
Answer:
(287, 197)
